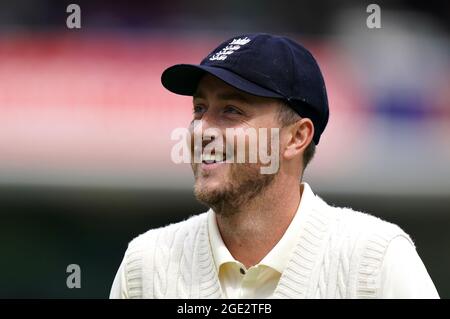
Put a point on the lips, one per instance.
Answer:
(212, 158)
(212, 162)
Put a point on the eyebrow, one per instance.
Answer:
(235, 96)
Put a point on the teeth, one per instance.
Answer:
(212, 158)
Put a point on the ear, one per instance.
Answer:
(299, 135)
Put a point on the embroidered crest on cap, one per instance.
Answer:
(230, 49)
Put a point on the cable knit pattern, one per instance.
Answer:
(339, 254)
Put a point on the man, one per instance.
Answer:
(265, 235)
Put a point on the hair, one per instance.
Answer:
(288, 116)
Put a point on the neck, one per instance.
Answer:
(255, 227)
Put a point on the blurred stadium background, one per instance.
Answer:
(85, 125)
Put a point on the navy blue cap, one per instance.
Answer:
(263, 65)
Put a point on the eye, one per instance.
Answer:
(198, 109)
(232, 110)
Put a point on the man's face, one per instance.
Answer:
(219, 106)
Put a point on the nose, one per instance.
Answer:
(206, 132)
(206, 129)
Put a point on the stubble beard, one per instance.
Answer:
(244, 183)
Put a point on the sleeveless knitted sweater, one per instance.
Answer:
(339, 254)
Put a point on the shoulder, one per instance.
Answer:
(361, 226)
(170, 234)
(156, 248)
(363, 240)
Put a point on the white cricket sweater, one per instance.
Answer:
(339, 254)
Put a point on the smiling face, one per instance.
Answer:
(220, 106)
